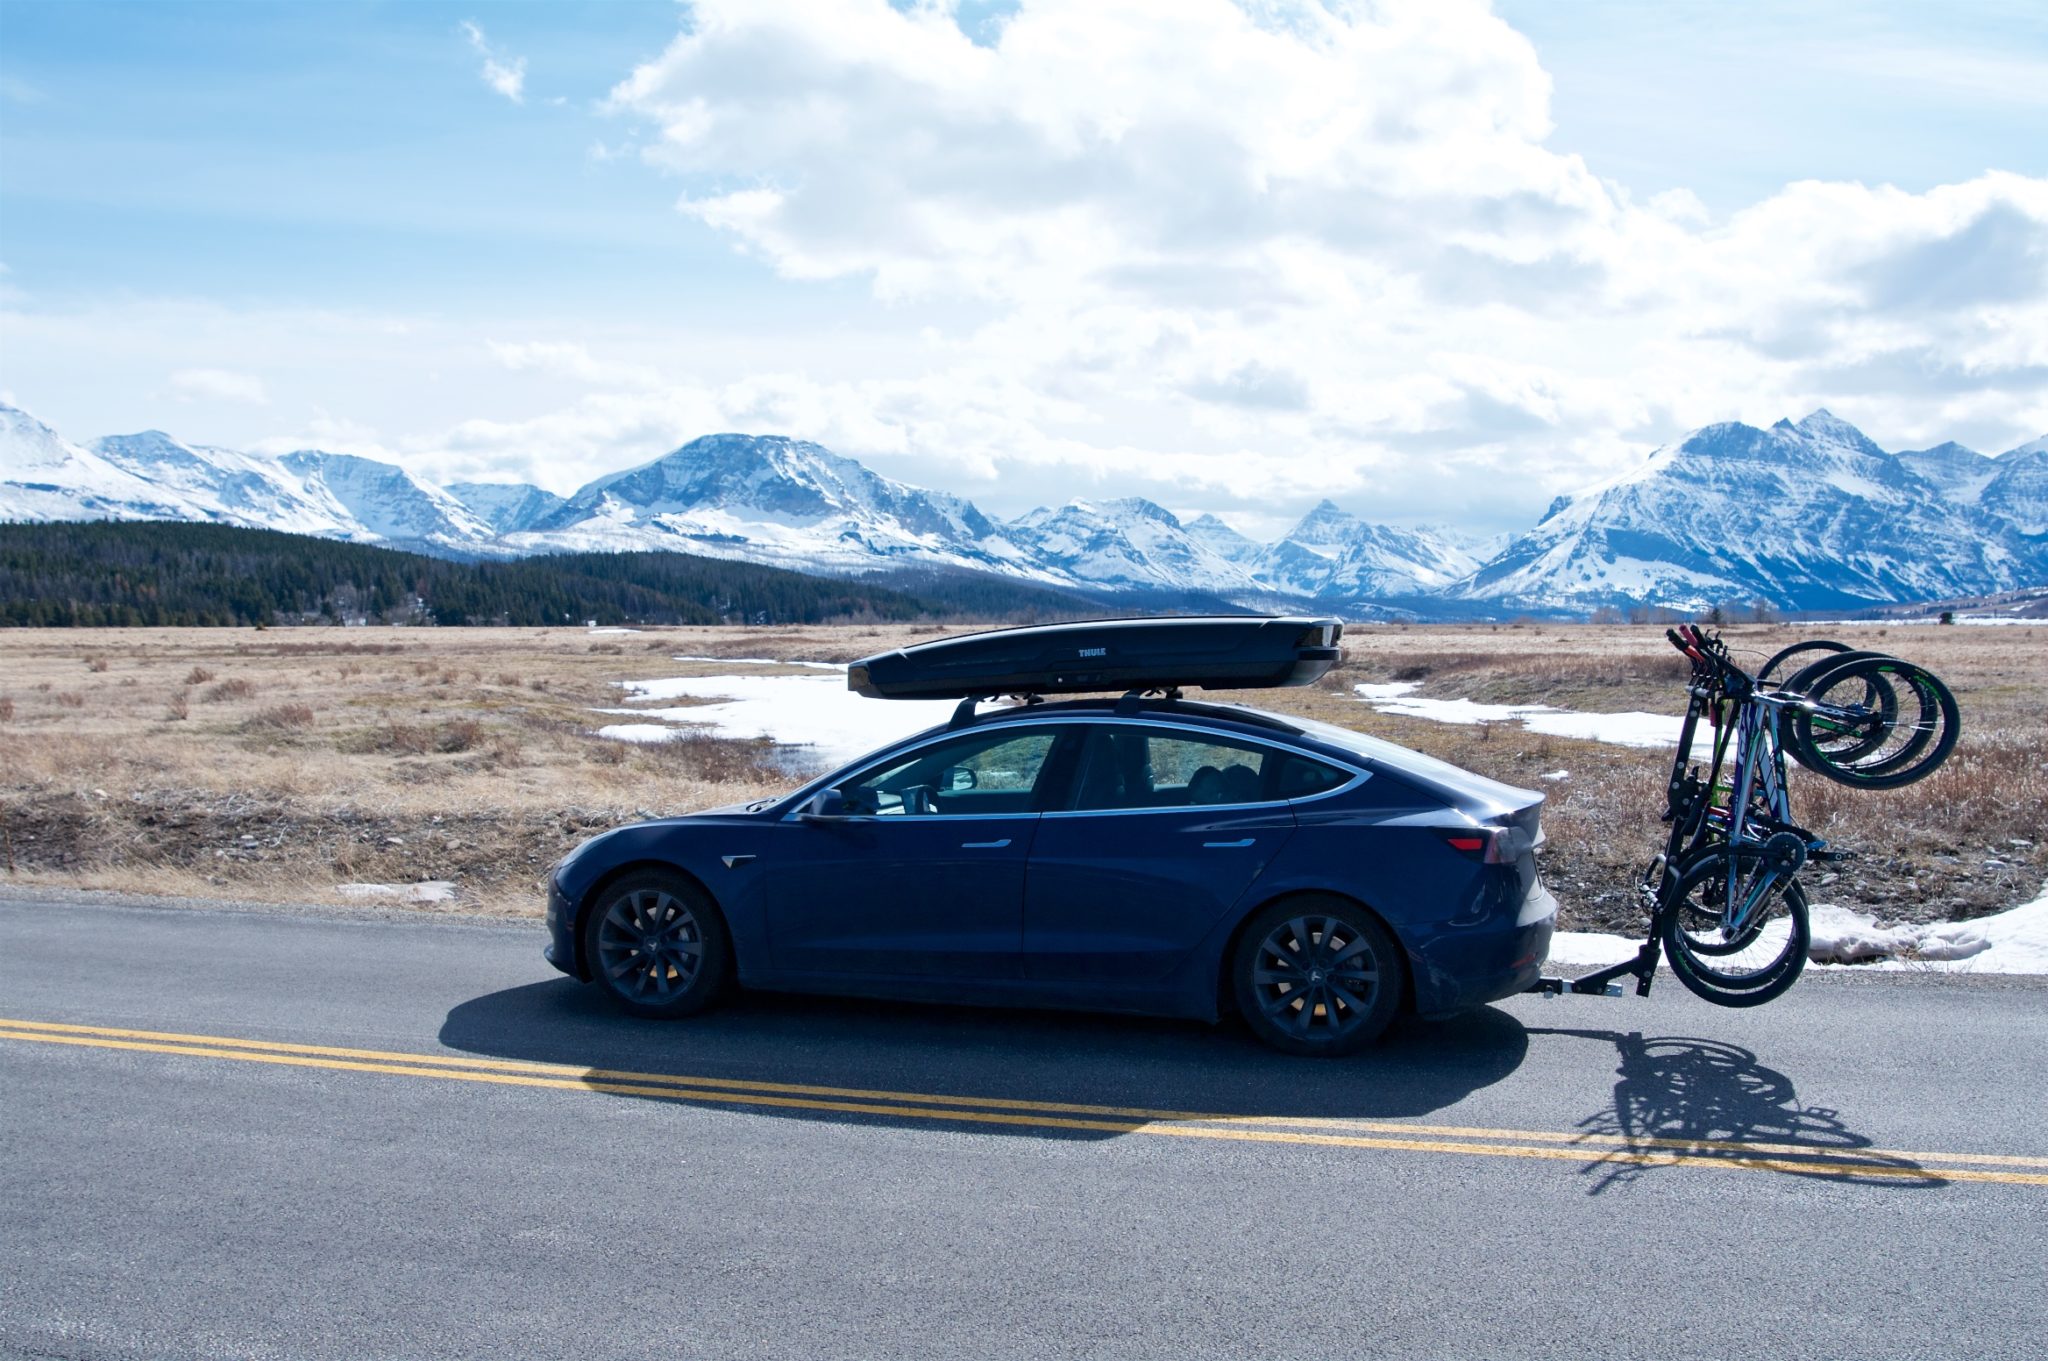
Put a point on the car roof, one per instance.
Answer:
(1132, 706)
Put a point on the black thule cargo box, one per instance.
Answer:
(1210, 653)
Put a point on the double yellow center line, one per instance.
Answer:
(1553, 1145)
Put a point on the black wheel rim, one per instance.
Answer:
(1315, 978)
(650, 945)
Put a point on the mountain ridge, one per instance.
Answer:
(1802, 514)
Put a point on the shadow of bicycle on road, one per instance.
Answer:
(1680, 1101)
(876, 1052)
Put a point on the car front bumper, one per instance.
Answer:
(560, 950)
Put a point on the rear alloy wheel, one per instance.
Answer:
(657, 945)
(1317, 976)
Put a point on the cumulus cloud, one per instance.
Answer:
(1232, 257)
(1339, 237)
(217, 385)
(505, 75)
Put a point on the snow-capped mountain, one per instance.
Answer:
(790, 503)
(1128, 542)
(1808, 514)
(1961, 472)
(234, 487)
(152, 476)
(388, 504)
(2018, 492)
(1804, 515)
(1225, 542)
(507, 507)
(44, 476)
(1333, 555)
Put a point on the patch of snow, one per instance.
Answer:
(1591, 949)
(2010, 942)
(594, 630)
(1554, 775)
(817, 713)
(2013, 941)
(762, 661)
(1632, 729)
(640, 732)
(430, 891)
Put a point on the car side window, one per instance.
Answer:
(1140, 767)
(977, 773)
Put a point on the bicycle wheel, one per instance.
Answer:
(1779, 659)
(1859, 731)
(1764, 951)
(1806, 675)
(1875, 724)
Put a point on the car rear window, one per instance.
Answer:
(1146, 767)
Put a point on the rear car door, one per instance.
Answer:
(1165, 829)
(926, 878)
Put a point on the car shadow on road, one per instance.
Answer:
(1680, 1100)
(900, 1063)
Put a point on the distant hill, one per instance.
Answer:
(159, 573)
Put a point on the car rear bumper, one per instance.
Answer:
(1470, 966)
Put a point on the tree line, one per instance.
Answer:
(109, 573)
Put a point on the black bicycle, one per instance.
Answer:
(1725, 903)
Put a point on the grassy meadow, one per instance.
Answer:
(279, 764)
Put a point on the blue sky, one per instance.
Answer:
(282, 224)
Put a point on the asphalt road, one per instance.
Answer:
(501, 1165)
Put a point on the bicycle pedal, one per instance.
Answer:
(1830, 856)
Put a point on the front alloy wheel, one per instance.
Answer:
(1319, 977)
(656, 944)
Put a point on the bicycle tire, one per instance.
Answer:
(1923, 745)
(1799, 680)
(1784, 655)
(1802, 682)
(1770, 958)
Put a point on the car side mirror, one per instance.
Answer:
(827, 805)
(958, 778)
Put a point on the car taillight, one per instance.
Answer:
(1491, 845)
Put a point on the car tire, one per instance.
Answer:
(1317, 976)
(656, 945)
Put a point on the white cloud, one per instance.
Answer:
(1233, 259)
(507, 77)
(216, 385)
(1338, 240)
(569, 359)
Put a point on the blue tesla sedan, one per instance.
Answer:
(1141, 854)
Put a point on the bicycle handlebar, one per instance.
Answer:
(1709, 656)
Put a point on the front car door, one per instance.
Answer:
(1165, 829)
(925, 877)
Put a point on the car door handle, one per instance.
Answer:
(984, 845)
(1228, 845)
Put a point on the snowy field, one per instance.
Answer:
(1628, 730)
(821, 721)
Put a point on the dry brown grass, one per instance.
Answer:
(281, 718)
(470, 755)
